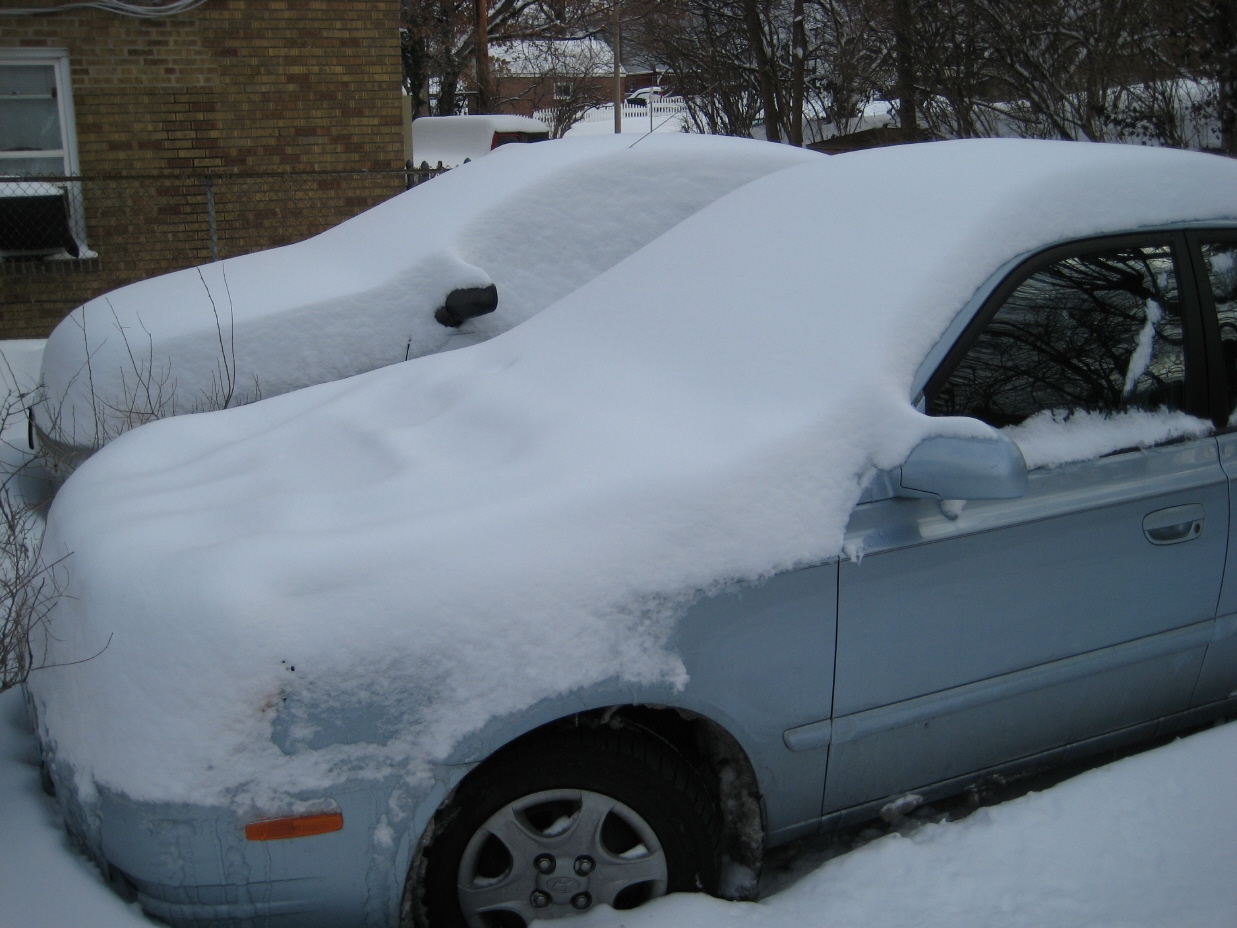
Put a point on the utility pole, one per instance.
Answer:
(482, 43)
(618, 71)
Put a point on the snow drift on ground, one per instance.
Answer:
(1148, 841)
(535, 220)
(455, 538)
(44, 883)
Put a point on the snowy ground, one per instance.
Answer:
(1146, 841)
(44, 883)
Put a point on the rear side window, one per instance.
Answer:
(1096, 331)
(1220, 261)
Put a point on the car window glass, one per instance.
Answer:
(1220, 259)
(1097, 332)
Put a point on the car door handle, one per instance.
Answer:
(1174, 525)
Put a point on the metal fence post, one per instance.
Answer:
(210, 217)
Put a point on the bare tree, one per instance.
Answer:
(1150, 71)
(438, 42)
(735, 61)
(706, 46)
(956, 71)
(848, 63)
(1205, 39)
(29, 585)
(561, 77)
(1067, 66)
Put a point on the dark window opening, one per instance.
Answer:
(1100, 332)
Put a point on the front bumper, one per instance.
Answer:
(192, 866)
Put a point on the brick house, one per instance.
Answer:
(558, 78)
(230, 126)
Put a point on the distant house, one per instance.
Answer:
(558, 78)
(191, 129)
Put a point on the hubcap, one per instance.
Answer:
(558, 853)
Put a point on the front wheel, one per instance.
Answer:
(564, 823)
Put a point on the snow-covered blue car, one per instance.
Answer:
(878, 476)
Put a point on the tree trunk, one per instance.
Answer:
(447, 85)
(482, 52)
(1224, 45)
(798, 64)
(904, 52)
(764, 70)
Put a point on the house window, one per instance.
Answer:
(563, 90)
(38, 139)
(37, 135)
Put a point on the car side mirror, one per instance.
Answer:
(963, 468)
(467, 303)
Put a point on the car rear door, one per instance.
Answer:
(1214, 255)
(1013, 628)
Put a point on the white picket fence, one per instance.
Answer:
(667, 113)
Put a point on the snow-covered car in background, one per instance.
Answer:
(876, 477)
(449, 263)
(449, 141)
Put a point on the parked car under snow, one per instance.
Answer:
(877, 476)
(449, 263)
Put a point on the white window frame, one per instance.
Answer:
(59, 59)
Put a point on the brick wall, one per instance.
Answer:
(235, 86)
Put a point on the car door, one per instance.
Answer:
(1214, 254)
(974, 634)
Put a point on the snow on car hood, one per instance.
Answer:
(455, 538)
(536, 220)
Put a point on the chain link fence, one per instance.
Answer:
(65, 240)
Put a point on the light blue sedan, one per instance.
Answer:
(878, 477)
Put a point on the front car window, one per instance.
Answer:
(1097, 332)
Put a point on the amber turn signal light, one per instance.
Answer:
(302, 826)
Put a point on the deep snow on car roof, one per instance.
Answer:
(537, 221)
(459, 537)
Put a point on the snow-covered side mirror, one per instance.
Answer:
(467, 303)
(963, 468)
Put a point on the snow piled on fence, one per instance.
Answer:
(536, 220)
(444, 541)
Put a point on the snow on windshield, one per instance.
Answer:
(536, 220)
(437, 543)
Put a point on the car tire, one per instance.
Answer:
(563, 823)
